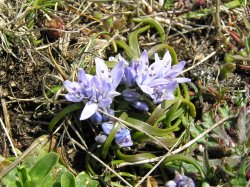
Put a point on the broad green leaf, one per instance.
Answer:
(67, 180)
(43, 167)
(23, 175)
(83, 179)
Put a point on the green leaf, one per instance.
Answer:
(152, 22)
(23, 175)
(154, 131)
(68, 180)
(43, 167)
(135, 157)
(63, 113)
(133, 40)
(109, 140)
(83, 179)
(130, 54)
(159, 112)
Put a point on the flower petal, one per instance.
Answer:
(89, 109)
(167, 58)
(104, 103)
(82, 78)
(146, 89)
(101, 69)
(107, 127)
(71, 86)
(182, 80)
(129, 76)
(124, 141)
(143, 62)
(117, 74)
(175, 70)
(73, 98)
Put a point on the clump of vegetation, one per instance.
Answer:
(122, 94)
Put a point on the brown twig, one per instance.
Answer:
(58, 68)
(217, 15)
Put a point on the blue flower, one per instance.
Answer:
(180, 181)
(122, 137)
(95, 91)
(158, 80)
(114, 76)
(96, 117)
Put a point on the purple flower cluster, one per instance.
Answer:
(96, 91)
(122, 137)
(180, 181)
(158, 81)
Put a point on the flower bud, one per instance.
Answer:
(107, 127)
(140, 105)
(96, 117)
(107, 118)
(183, 181)
(170, 183)
(124, 140)
(122, 132)
(130, 95)
(100, 138)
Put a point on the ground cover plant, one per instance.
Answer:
(124, 93)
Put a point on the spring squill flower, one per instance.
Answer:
(180, 181)
(95, 91)
(158, 80)
(122, 137)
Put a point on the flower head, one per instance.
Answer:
(122, 137)
(95, 91)
(158, 80)
(180, 181)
